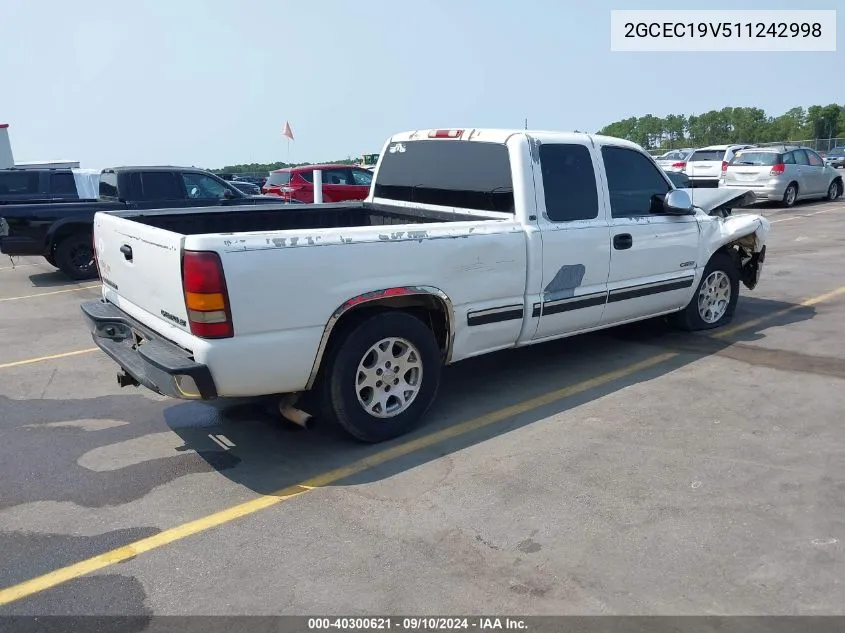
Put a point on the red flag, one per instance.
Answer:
(288, 132)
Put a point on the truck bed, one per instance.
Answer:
(238, 219)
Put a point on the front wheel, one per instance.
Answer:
(384, 377)
(835, 190)
(715, 299)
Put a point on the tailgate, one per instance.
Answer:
(704, 169)
(141, 265)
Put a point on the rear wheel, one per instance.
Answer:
(715, 299)
(74, 256)
(835, 190)
(790, 195)
(383, 377)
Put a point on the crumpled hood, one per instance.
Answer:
(709, 200)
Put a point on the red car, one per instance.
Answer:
(340, 183)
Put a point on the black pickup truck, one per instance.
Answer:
(62, 232)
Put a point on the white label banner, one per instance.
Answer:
(723, 31)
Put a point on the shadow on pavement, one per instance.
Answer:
(273, 457)
(55, 279)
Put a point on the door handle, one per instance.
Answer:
(622, 241)
(127, 252)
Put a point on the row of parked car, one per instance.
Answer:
(778, 173)
(781, 173)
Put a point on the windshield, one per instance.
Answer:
(758, 159)
(838, 151)
(464, 174)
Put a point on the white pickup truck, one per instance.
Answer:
(470, 241)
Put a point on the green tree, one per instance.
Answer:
(730, 125)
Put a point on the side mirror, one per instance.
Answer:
(678, 202)
(228, 195)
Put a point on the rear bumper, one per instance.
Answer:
(155, 363)
(772, 190)
(707, 181)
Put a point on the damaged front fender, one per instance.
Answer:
(743, 237)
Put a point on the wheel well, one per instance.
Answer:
(65, 231)
(428, 308)
(741, 253)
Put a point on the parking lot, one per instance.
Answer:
(639, 470)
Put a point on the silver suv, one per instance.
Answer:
(787, 173)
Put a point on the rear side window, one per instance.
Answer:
(161, 185)
(62, 183)
(463, 174)
(707, 154)
(800, 157)
(336, 177)
(569, 182)
(759, 159)
(19, 183)
(635, 184)
(277, 178)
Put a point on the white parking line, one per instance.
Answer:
(16, 266)
(52, 292)
(807, 215)
(222, 441)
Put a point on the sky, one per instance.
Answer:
(211, 83)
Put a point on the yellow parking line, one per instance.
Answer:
(179, 532)
(52, 292)
(120, 554)
(29, 361)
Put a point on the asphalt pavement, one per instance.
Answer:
(638, 470)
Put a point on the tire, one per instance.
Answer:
(365, 413)
(51, 261)
(722, 270)
(790, 196)
(74, 256)
(835, 190)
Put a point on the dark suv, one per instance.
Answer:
(20, 185)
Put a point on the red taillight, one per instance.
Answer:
(777, 170)
(445, 134)
(680, 165)
(724, 165)
(206, 297)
